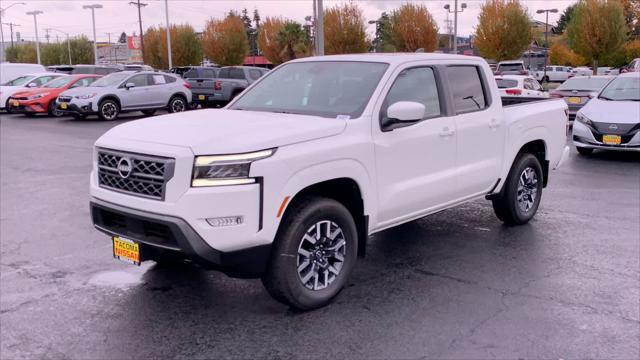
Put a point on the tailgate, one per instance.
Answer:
(201, 86)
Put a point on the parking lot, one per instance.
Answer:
(455, 285)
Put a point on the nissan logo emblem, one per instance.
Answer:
(124, 167)
(613, 127)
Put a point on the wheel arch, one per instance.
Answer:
(109, 97)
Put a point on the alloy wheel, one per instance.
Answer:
(109, 111)
(177, 105)
(527, 189)
(321, 255)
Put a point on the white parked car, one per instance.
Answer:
(553, 74)
(520, 85)
(611, 121)
(511, 67)
(127, 91)
(288, 181)
(582, 71)
(21, 83)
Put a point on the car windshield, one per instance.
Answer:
(622, 89)
(510, 67)
(19, 81)
(321, 88)
(584, 84)
(110, 80)
(59, 82)
(506, 83)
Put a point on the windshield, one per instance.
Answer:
(622, 89)
(58, 83)
(506, 83)
(323, 88)
(19, 81)
(585, 84)
(111, 80)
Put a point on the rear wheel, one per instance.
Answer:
(53, 110)
(313, 254)
(177, 104)
(584, 151)
(108, 110)
(519, 200)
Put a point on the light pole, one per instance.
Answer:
(2, 10)
(166, 13)
(68, 42)
(93, 7)
(455, 12)
(319, 28)
(35, 14)
(546, 38)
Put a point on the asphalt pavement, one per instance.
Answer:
(456, 285)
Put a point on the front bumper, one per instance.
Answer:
(32, 107)
(583, 137)
(77, 109)
(170, 236)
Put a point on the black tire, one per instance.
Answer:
(52, 110)
(584, 151)
(7, 107)
(507, 206)
(149, 112)
(283, 280)
(177, 104)
(108, 110)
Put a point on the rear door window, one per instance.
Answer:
(236, 74)
(193, 73)
(209, 73)
(467, 88)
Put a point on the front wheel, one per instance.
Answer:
(519, 200)
(53, 110)
(177, 104)
(313, 254)
(108, 110)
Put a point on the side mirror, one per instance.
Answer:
(32, 85)
(129, 85)
(408, 111)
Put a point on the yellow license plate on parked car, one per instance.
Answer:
(611, 139)
(63, 106)
(575, 100)
(126, 250)
(200, 97)
(16, 103)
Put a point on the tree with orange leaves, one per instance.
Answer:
(225, 41)
(268, 39)
(597, 29)
(504, 30)
(412, 27)
(186, 48)
(282, 40)
(345, 30)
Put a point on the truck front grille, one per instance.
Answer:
(135, 174)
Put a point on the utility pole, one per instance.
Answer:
(93, 7)
(11, 25)
(319, 28)
(46, 35)
(546, 38)
(140, 5)
(455, 12)
(166, 12)
(110, 45)
(68, 41)
(35, 14)
(2, 10)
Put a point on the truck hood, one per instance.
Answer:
(225, 131)
(619, 112)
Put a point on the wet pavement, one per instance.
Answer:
(456, 285)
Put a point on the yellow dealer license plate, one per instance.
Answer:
(575, 100)
(63, 106)
(16, 103)
(126, 250)
(201, 97)
(611, 139)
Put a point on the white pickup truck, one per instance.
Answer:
(287, 182)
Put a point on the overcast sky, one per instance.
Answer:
(118, 16)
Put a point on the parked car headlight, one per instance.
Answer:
(218, 170)
(583, 119)
(85, 96)
(37, 96)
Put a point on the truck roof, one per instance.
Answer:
(391, 58)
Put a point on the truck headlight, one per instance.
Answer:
(583, 119)
(218, 170)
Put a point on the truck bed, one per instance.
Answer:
(518, 100)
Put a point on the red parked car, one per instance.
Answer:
(43, 99)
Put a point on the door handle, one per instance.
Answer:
(494, 124)
(446, 132)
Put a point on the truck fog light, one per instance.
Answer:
(225, 221)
